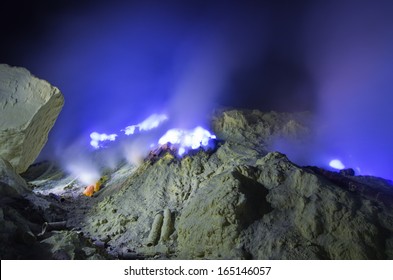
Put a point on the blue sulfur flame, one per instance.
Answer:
(97, 138)
(186, 140)
(336, 164)
(119, 61)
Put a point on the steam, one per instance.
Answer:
(121, 65)
(350, 53)
(144, 60)
(135, 151)
(86, 173)
(80, 165)
(347, 48)
(150, 123)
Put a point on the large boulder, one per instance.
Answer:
(18, 219)
(11, 184)
(29, 109)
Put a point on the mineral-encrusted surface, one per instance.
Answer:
(239, 201)
(29, 108)
(243, 202)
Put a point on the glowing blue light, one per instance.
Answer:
(96, 138)
(336, 164)
(181, 151)
(184, 140)
(187, 139)
(151, 122)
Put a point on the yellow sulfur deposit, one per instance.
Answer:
(89, 191)
(97, 186)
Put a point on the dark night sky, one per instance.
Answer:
(84, 42)
(117, 62)
(267, 29)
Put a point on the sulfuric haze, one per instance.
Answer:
(118, 62)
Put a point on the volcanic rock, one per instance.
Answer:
(22, 214)
(71, 245)
(11, 184)
(29, 109)
(239, 201)
(18, 220)
(258, 208)
(254, 128)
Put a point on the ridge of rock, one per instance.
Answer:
(238, 201)
(254, 128)
(239, 204)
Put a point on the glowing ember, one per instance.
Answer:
(96, 138)
(187, 139)
(336, 164)
(151, 122)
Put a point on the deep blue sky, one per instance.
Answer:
(117, 62)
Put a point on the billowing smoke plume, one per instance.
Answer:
(350, 53)
(347, 48)
(119, 62)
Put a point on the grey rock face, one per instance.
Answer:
(253, 128)
(69, 245)
(16, 226)
(29, 108)
(11, 184)
(243, 203)
(22, 214)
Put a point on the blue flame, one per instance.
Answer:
(98, 138)
(124, 60)
(150, 123)
(336, 164)
(186, 140)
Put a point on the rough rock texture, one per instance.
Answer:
(11, 184)
(71, 245)
(22, 214)
(253, 128)
(19, 221)
(28, 109)
(263, 209)
(241, 202)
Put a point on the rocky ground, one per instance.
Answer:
(239, 201)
